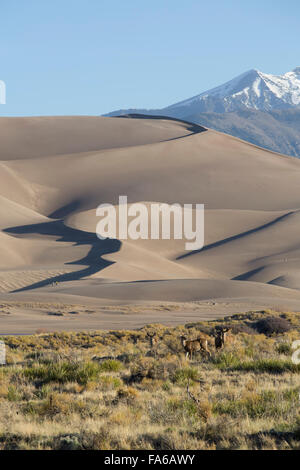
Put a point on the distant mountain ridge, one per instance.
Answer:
(261, 108)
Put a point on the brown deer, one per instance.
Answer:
(220, 336)
(154, 341)
(195, 345)
(153, 338)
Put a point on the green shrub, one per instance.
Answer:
(111, 365)
(63, 372)
(43, 392)
(265, 404)
(167, 386)
(284, 348)
(188, 407)
(13, 394)
(181, 376)
(272, 366)
(226, 360)
(107, 382)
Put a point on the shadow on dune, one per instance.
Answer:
(245, 276)
(238, 236)
(93, 260)
(191, 126)
(66, 210)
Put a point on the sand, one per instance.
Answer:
(55, 171)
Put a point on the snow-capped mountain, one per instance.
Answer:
(253, 89)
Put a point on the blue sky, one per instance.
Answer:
(61, 57)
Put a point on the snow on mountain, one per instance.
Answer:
(252, 89)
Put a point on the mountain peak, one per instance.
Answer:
(252, 89)
(254, 71)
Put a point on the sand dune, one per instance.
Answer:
(55, 172)
(38, 137)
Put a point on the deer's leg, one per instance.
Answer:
(207, 350)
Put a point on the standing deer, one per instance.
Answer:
(220, 336)
(194, 345)
(153, 339)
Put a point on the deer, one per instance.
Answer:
(153, 339)
(220, 336)
(195, 345)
